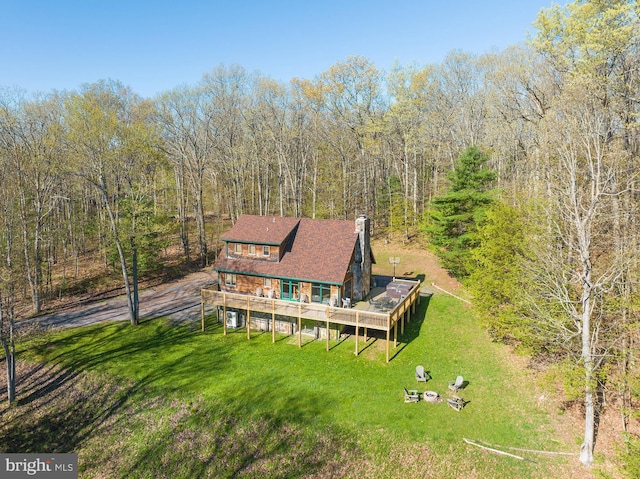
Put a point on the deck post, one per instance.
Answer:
(388, 331)
(226, 302)
(273, 320)
(248, 319)
(357, 332)
(387, 345)
(327, 335)
(395, 336)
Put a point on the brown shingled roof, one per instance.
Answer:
(271, 230)
(320, 250)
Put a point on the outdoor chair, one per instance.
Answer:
(411, 395)
(457, 384)
(456, 403)
(421, 374)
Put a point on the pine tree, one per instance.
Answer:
(453, 219)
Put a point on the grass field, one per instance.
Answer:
(161, 400)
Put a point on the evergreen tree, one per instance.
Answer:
(453, 219)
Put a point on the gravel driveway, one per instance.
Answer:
(179, 300)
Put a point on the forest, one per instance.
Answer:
(518, 167)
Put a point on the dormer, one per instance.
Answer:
(259, 238)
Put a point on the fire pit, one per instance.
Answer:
(431, 396)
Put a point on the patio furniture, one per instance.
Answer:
(421, 374)
(457, 384)
(411, 395)
(456, 403)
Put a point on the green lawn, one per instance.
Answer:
(230, 407)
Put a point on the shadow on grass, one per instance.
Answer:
(411, 331)
(396, 352)
(343, 337)
(249, 428)
(233, 441)
(61, 406)
(367, 344)
(60, 410)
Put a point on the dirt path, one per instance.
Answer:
(179, 300)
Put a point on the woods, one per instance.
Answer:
(526, 160)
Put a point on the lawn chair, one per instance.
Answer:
(457, 384)
(456, 403)
(421, 374)
(411, 395)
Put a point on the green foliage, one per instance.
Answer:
(453, 219)
(588, 37)
(497, 277)
(144, 229)
(509, 282)
(569, 375)
(628, 455)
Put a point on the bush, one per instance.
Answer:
(628, 454)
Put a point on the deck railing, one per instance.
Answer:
(383, 321)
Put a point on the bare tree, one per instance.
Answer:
(32, 137)
(107, 143)
(581, 185)
(8, 279)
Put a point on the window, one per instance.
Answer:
(266, 250)
(320, 293)
(289, 289)
(252, 249)
(237, 249)
(230, 279)
(266, 283)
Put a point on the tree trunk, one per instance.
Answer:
(10, 354)
(182, 209)
(132, 302)
(586, 449)
(33, 270)
(8, 345)
(202, 235)
(134, 278)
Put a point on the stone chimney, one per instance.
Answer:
(362, 266)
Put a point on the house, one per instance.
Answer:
(301, 275)
(297, 259)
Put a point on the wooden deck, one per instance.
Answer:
(363, 314)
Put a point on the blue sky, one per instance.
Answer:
(154, 46)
